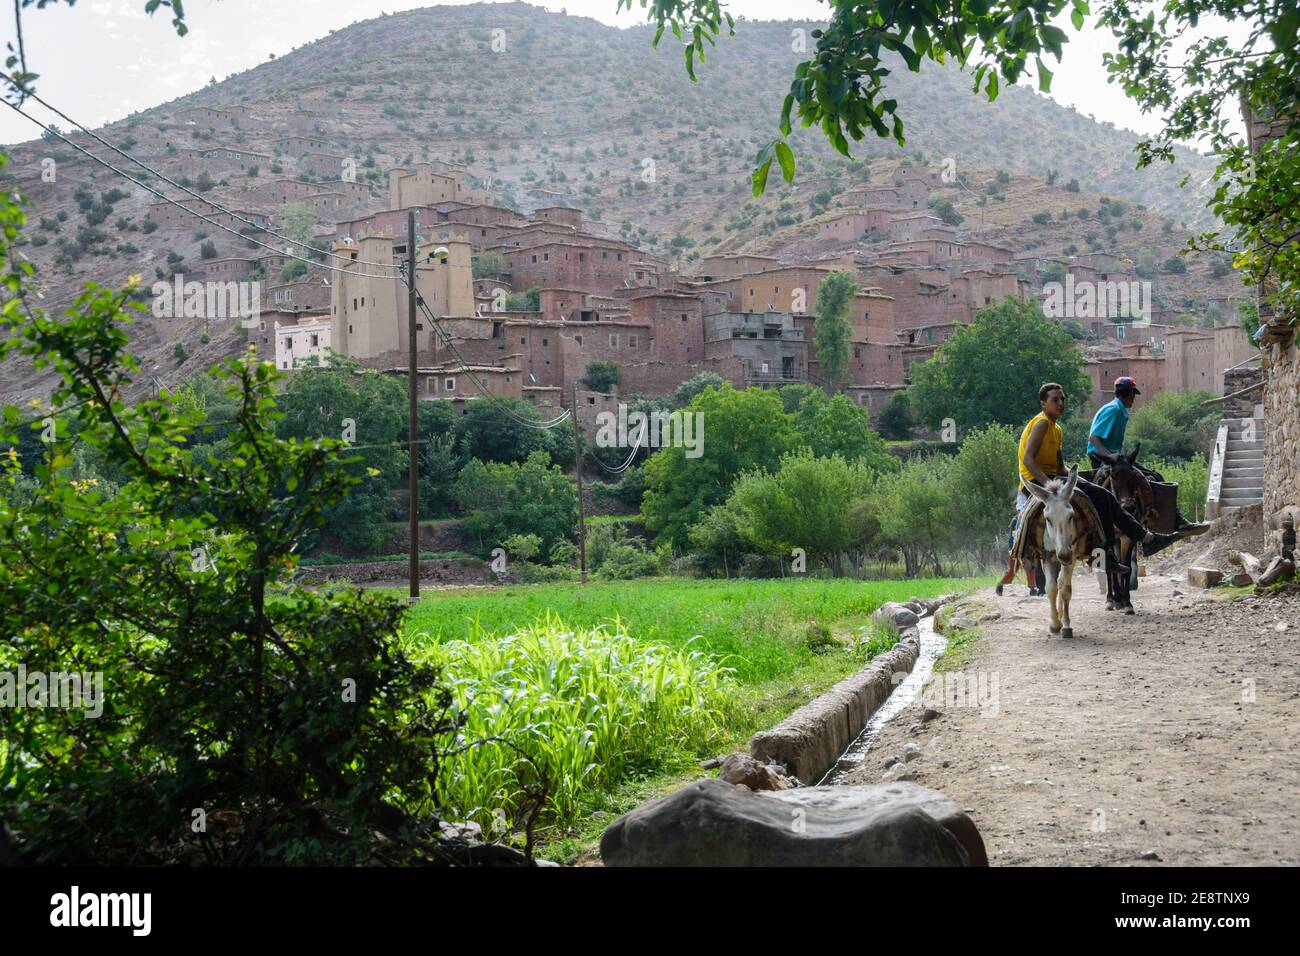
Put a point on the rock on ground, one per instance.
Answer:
(895, 616)
(754, 774)
(714, 823)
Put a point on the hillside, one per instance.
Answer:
(567, 110)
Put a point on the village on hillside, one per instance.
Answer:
(526, 300)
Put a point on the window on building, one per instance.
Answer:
(544, 342)
(449, 385)
(534, 258)
(578, 339)
(613, 340)
(546, 257)
(683, 316)
(632, 341)
(620, 257)
(315, 341)
(591, 400)
(354, 303)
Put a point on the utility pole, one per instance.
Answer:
(582, 511)
(414, 430)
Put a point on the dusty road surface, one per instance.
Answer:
(1172, 736)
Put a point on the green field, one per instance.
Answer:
(620, 688)
(759, 628)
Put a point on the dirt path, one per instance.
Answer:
(1171, 732)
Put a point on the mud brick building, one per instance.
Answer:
(368, 307)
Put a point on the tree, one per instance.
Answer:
(835, 426)
(804, 504)
(715, 538)
(504, 429)
(601, 376)
(944, 209)
(990, 370)
(497, 500)
(367, 410)
(916, 508)
(300, 226)
(1173, 425)
(983, 482)
(488, 263)
(897, 419)
(687, 390)
(528, 301)
(208, 250)
(831, 327)
(220, 696)
(742, 431)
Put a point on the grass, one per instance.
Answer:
(620, 688)
(961, 642)
(757, 627)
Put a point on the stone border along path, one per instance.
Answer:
(1166, 737)
(810, 741)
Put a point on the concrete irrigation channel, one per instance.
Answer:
(828, 736)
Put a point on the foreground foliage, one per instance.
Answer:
(237, 726)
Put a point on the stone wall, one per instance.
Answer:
(1243, 406)
(1281, 440)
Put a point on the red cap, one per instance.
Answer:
(1125, 382)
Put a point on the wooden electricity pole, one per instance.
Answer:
(582, 511)
(412, 397)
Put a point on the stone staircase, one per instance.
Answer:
(1237, 471)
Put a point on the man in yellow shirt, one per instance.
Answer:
(1041, 459)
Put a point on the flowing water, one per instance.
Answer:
(932, 645)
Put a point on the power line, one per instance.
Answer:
(435, 323)
(635, 448)
(546, 425)
(197, 215)
(154, 172)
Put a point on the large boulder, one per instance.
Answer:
(714, 823)
(895, 616)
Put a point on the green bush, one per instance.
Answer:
(497, 500)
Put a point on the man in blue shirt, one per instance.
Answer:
(1106, 441)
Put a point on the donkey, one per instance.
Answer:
(1062, 540)
(1132, 489)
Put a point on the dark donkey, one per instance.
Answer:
(1131, 488)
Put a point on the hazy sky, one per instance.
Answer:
(103, 59)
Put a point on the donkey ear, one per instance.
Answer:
(1069, 485)
(1037, 490)
(1133, 456)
